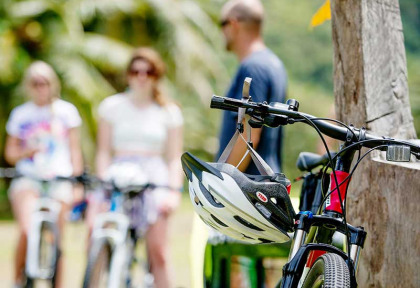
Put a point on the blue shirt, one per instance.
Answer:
(269, 83)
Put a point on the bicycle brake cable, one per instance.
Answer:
(309, 121)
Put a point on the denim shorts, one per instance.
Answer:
(58, 190)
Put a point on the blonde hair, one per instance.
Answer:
(43, 70)
(152, 57)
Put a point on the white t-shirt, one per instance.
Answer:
(47, 128)
(139, 129)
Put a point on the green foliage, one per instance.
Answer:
(410, 14)
(5, 209)
(89, 41)
(413, 64)
(306, 53)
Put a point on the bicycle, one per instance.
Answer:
(114, 239)
(43, 251)
(269, 217)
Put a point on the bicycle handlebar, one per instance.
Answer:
(291, 116)
(85, 179)
(110, 185)
(10, 173)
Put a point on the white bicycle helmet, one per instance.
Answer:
(126, 173)
(234, 204)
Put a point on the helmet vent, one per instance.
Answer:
(218, 221)
(246, 223)
(265, 240)
(248, 237)
(210, 197)
(208, 223)
(197, 201)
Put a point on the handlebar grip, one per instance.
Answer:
(218, 102)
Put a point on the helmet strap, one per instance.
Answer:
(243, 118)
(259, 162)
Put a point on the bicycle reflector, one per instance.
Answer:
(398, 153)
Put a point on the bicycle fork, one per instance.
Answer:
(114, 228)
(304, 251)
(46, 212)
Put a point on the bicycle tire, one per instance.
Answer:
(54, 279)
(98, 264)
(329, 271)
(29, 283)
(48, 249)
(48, 255)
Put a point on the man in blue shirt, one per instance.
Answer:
(241, 22)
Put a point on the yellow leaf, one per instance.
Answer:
(323, 14)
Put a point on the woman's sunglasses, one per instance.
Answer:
(36, 84)
(143, 72)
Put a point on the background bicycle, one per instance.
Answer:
(116, 234)
(44, 240)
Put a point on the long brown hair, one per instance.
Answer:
(158, 67)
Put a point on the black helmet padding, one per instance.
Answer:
(278, 210)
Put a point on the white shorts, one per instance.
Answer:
(153, 168)
(58, 190)
(155, 171)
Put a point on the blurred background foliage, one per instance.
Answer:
(89, 42)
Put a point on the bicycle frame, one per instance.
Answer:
(46, 211)
(114, 227)
(306, 249)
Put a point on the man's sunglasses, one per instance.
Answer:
(143, 72)
(223, 23)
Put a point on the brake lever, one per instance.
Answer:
(274, 121)
(255, 123)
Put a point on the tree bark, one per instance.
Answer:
(371, 90)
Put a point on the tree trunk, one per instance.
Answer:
(371, 90)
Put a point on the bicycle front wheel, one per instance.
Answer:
(47, 255)
(97, 270)
(48, 250)
(329, 271)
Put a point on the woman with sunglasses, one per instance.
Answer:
(42, 142)
(142, 127)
